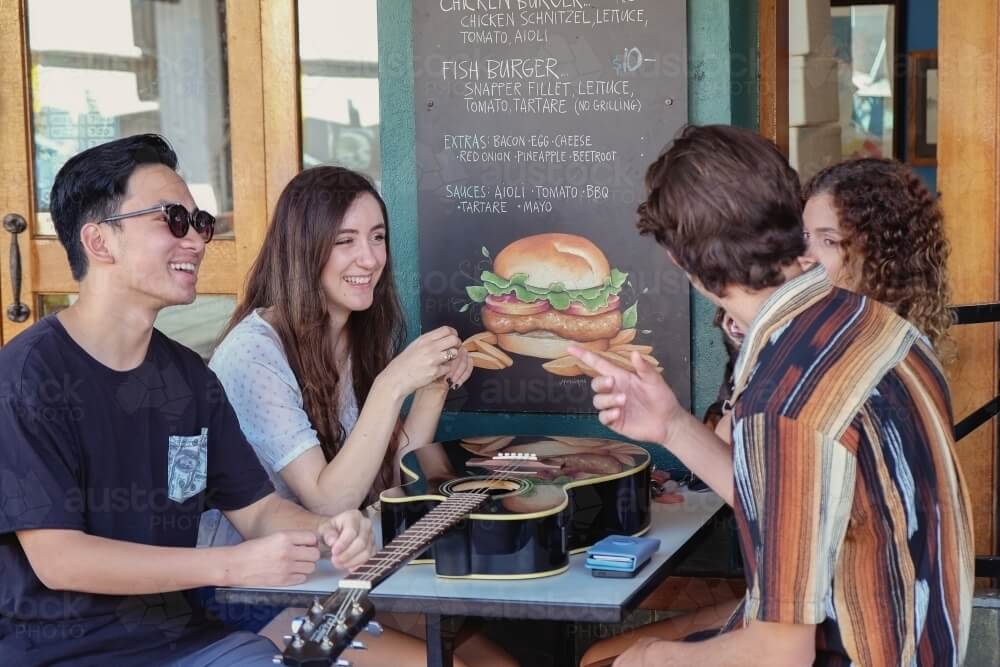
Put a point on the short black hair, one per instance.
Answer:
(91, 186)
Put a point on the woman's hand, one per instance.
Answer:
(458, 372)
(432, 357)
(460, 369)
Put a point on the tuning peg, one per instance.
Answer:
(359, 646)
(316, 608)
(288, 639)
(374, 628)
(276, 660)
(342, 663)
(297, 624)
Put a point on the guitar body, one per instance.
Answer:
(580, 491)
(493, 508)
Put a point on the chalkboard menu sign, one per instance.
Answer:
(536, 120)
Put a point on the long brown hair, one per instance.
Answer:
(893, 223)
(285, 278)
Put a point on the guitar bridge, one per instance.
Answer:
(513, 466)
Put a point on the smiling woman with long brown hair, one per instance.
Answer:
(314, 365)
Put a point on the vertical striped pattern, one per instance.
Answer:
(852, 511)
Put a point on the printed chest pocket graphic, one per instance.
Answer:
(187, 465)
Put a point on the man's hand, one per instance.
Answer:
(637, 405)
(284, 558)
(349, 536)
(638, 654)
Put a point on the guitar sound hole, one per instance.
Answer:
(495, 488)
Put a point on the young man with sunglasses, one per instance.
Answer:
(852, 514)
(115, 439)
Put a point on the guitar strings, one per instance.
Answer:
(434, 523)
(352, 597)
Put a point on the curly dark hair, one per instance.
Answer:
(892, 222)
(727, 206)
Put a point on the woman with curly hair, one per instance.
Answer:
(876, 229)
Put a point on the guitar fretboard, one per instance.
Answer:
(416, 538)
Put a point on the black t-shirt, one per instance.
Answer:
(133, 456)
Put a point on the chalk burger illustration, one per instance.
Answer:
(547, 292)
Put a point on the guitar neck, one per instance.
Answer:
(417, 537)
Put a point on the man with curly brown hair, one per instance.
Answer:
(850, 507)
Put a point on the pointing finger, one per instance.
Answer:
(599, 364)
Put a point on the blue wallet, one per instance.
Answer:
(621, 553)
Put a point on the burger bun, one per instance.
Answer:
(571, 260)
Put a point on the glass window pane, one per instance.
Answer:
(49, 304)
(863, 45)
(105, 69)
(196, 325)
(199, 324)
(338, 57)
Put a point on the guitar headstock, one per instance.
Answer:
(328, 629)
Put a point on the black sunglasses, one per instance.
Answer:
(178, 220)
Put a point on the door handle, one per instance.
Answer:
(15, 224)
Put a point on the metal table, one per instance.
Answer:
(572, 596)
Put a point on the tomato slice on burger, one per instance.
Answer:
(579, 310)
(509, 304)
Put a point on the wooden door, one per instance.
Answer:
(969, 181)
(217, 78)
(772, 100)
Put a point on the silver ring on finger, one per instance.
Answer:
(449, 354)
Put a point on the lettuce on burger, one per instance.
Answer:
(548, 291)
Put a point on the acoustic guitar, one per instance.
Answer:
(498, 508)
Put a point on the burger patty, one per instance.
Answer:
(574, 327)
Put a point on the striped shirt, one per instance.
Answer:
(850, 505)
